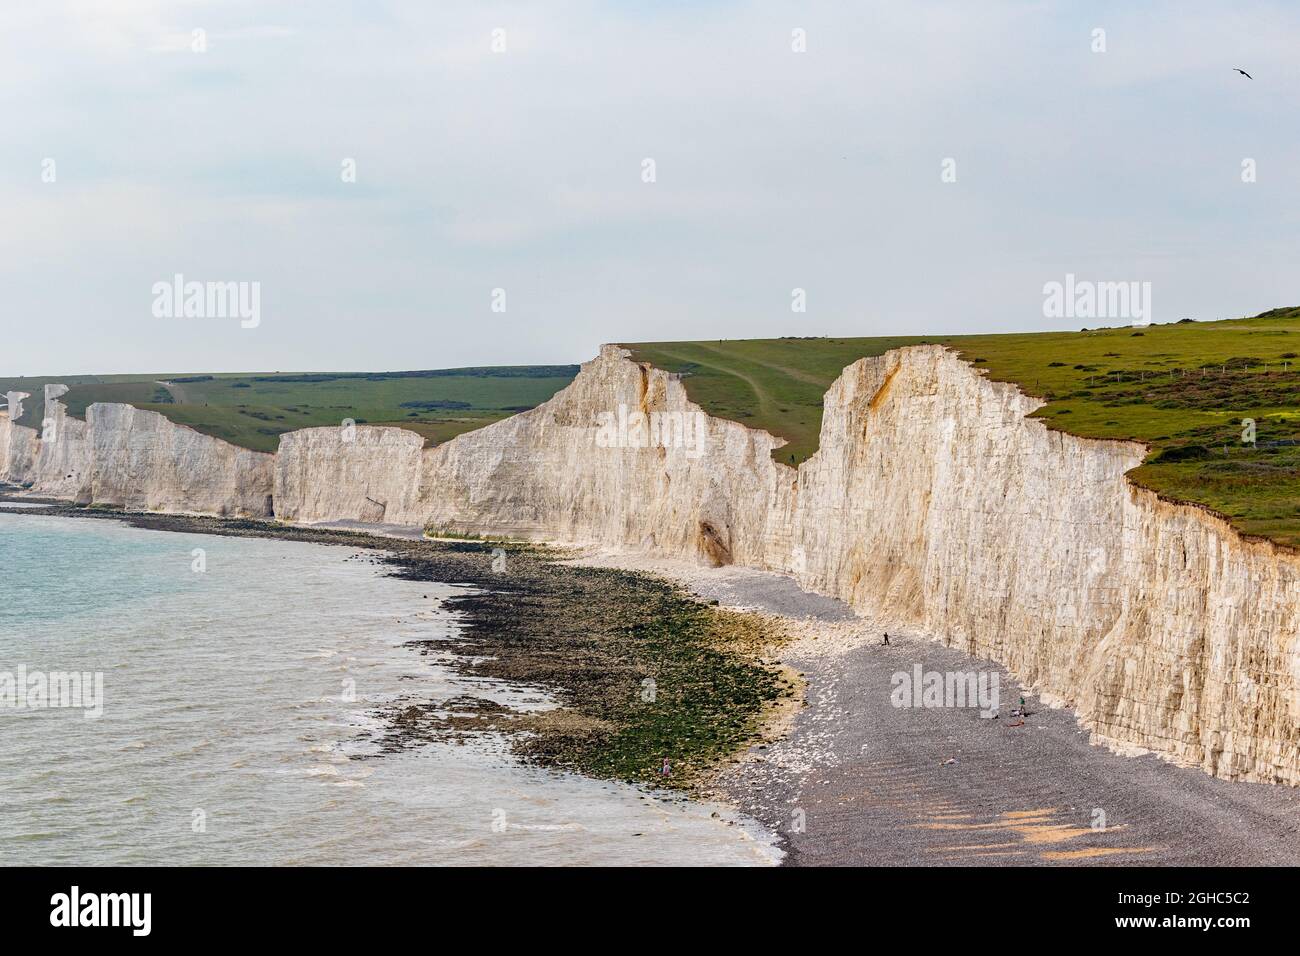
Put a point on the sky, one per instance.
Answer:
(912, 168)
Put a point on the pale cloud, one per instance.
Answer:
(198, 38)
(521, 169)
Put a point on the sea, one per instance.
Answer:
(183, 699)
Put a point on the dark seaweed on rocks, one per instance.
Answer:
(594, 638)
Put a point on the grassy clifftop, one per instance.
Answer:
(1183, 388)
(252, 410)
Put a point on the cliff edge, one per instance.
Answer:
(932, 500)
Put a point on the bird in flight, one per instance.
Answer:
(1243, 73)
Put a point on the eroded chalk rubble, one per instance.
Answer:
(933, 500)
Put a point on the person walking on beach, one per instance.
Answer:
(886, 644)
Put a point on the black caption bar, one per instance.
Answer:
(139, 906)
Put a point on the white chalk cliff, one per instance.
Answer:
(135, 459)
(933, 500)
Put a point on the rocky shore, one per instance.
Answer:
(654, 686)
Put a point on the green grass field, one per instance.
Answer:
(252, 410)
(1183, 388)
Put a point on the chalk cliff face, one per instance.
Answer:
(14, 404)
(62, 466)
(128, 457)
(144, 462)
(355, 472)
(551, 473)
(932, 501)
(17, 443)
(936, 500)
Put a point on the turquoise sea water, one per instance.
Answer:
(240, 682)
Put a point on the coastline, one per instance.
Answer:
(642, 671)
(256, 691)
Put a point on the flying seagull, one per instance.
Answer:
(1243, 73)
